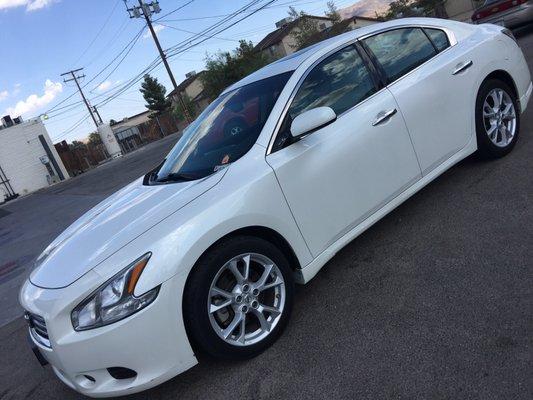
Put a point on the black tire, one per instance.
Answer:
(199, 329)
(486, 148)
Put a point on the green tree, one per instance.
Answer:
(77, 144)
(333, 13)
(154, 95)
(415, 8)
(306, 28)
(94, 139)
(189, 105)
(226, 68)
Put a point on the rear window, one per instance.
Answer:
(439, 38)
(400, 51)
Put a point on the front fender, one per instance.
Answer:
(248, 195)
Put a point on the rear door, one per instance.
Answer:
(340, 174)
(431, 82)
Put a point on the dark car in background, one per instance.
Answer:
(509, 13)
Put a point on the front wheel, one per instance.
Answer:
(238, 298)
(497, 119)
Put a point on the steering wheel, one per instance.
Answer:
(235, 127)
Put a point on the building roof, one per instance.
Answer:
(185, 83)
(278, 35)
(356, 17)
(134, 120)
(336, 29)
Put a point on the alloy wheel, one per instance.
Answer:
(246, 299)
(499, 117)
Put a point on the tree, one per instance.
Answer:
(77, 144)
(415, 8)
(154, 94)
(94, 139)
(306, 28)
(338, 27)
(333, 13)
(226, 68)
(189, 105)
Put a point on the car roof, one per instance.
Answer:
(294, 60)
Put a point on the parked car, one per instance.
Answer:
(509, 13)
(201, 255)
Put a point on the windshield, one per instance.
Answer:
(224, 132)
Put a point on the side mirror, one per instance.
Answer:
(311, 120)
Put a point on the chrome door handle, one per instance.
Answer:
(383, 116)
(461, 67)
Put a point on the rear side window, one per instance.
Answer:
(400, 51)
(439, 38)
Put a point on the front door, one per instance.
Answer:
(337, 176)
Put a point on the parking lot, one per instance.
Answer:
(435, 301)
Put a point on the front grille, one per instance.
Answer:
(38, 328)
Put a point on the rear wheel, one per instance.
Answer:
(497, 119)
(238, 298)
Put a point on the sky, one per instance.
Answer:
(41, 39)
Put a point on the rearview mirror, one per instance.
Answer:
(311, 120)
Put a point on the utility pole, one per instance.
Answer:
(75, 78)
(98, 115)
(146, 10)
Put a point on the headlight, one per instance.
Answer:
(114, 300)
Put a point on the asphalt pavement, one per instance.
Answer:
(435, 301)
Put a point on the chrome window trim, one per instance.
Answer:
(451, 38)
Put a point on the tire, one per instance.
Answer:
(215, 271)
(498, 144)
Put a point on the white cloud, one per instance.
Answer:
(3, 95)
(34, 102)
(147, 34)
(38, 4)
(16, 89)
(106, 85)
(31, 5)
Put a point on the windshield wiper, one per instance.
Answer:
(178, 177)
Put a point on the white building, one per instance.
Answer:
(28, 158)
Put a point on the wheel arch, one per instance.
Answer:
(503, 76)
(258, 231)
(261, 232)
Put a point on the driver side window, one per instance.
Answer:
(340, 81)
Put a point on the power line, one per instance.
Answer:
(146, 10)
(195, 33)
(127, 49)
(67, 131)
(75, 78)
(180, 48)
(99, 32)
(173, 11)
(121, 60)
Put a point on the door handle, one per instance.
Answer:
(383, 116)
(462, 67)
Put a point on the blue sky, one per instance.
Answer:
(43, 38)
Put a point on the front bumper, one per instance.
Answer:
(152, 342)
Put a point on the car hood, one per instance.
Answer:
(110, 225)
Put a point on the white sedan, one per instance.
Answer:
(279, 173)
